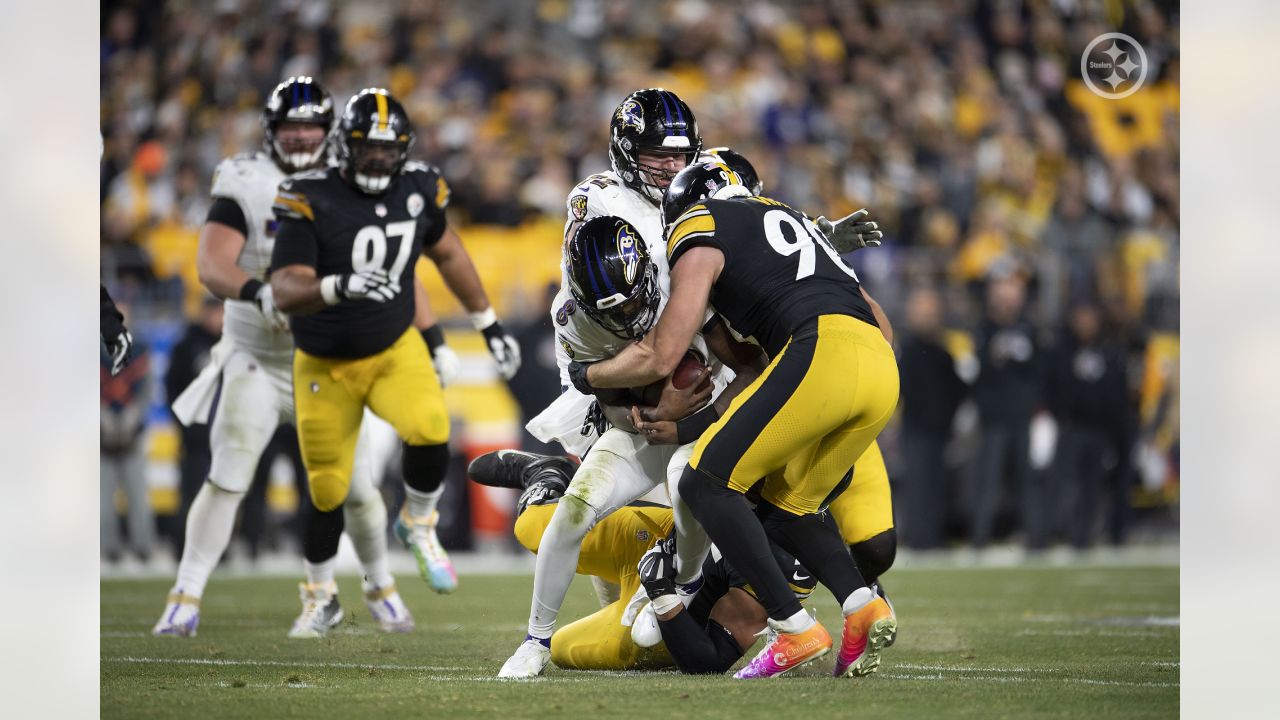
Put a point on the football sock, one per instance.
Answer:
(422, 504)
(734, 529)
(321, 531)
(815, 541)
(797, 623)
(557, 562)
(210, 520)
(320, 573)
(544, 642)
(692, 543)
(697, 650)
(875, 555)
(424, 466)
(857, 600)
(366, 523)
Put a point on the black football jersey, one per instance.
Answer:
(779, 269)
(329, 225)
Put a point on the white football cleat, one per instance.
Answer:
(320, 611)
(419, 536)
(387, 608)
(181, 616)
(528, 661)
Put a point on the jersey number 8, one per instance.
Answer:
(369, 251)
(806, 235)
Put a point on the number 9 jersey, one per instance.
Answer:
(779, 270)
(329, 225)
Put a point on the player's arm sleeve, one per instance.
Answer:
(297, 242)
(699, 651)
(226, 211)
(695, 227)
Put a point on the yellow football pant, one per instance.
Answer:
(865, 508)
(820, 402)
(611, 551)
(398, 384)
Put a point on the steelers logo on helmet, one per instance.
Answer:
(653, 134)
(295, 124)
(612, 278)
(374, 137)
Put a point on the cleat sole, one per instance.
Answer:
(878, 639)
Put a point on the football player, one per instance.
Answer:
(343, 269)
(723, 618)
(249, 374)
(830, 385)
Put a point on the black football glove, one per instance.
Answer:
(120, 348)
(578, 376)
(657, 569)
(504, 349)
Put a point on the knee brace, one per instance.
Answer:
(425, 466)
(875, 555)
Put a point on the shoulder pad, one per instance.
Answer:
(291, 199)
(591, 197)
(430, 181)
(239, 175)
(697, 221)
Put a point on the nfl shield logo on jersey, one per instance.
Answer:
(415, 205)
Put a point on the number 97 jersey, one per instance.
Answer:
(329, 225)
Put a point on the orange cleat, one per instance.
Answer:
(784, 652)
(867, 631)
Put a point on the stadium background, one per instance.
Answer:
(962, 124)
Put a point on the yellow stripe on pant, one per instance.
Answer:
(816, 408)
(611, 551)
(398, 384)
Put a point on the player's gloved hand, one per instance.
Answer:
(502, 346)
(373, 285)
(265, 301)
(657, 569)
(852, 232)
(120, 348)
(634, 606)
(443, 358)
(578, 376)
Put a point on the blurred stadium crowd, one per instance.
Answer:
(1031, 258)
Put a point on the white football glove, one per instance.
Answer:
(634, 605)
(373, 285)
(852, 232)
(504, 349)
(121, 350)
(447, 364)
(265, 301)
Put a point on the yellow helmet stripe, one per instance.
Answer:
(382, 110)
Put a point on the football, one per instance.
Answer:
(686, 370)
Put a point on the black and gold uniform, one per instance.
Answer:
(832, 381)
(360, 352)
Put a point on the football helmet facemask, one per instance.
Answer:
(612, 277)
(654, 122)
(373, 140)
(299, 100)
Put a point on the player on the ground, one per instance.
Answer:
(723, 618)
(830, 386)
(249, 374)
(343, 269)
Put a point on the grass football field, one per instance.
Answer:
(981, 643)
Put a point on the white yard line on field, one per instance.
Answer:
(276, 663)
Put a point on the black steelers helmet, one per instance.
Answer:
(299, 99)
(698, 182)
(738, 164)
(373, 139)
(651, 121)
(612, 277)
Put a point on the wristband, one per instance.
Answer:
(249, 290)
(691, 428)
(664, 604)
(434, 337)
(484, 318)
(329, 289)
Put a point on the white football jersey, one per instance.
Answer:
(604, 194)
(251, 179)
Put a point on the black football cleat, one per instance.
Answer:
(543, 478)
